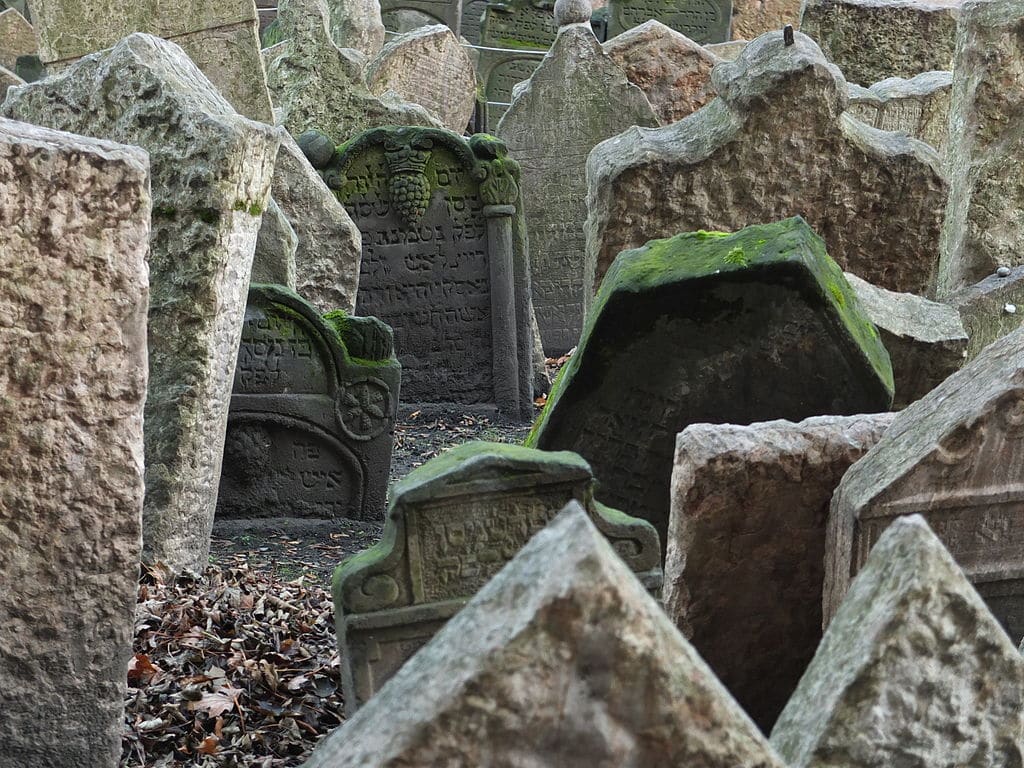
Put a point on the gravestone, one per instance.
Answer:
(452, 524)
(990, 309)
(955, 456)
(746, 541)
(444, 261)
(914, 670)
(7, 79)
(472, 16)
(499, 71)
(17, 38)
(313, 411)
(918, 106)
(357, 24)
(752, 18)
(728, 51)
(754, 155)
(221, 39)
(74, 235)
(210, 181)
(518, 24)
(870, 40)
(274, 259)
(985, 215)
(576, 98)
(709, 327)
(425, 12)
(703, 21)
(562, 659)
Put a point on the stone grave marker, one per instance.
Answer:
(17, 38)
(709, 327)
(918, 106)
(519, 24)
(74, 235)
(913, 670)
(7, 79)
(312, 415)
(357, 24)
(444, 261)
(274, 259)
(562, 659)
(746, 542)
(752, 18)
(447, 12)
(703, 21)
(754, 155)
(727, 51)
(452, 524)
(575, 99)
(211, 181)
(472, 16)
(499, 71)
(955, 456)
(991, 308)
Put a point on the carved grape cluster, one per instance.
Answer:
(410, 194)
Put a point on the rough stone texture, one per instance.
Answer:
(709, 327)
(755, 155)
(319, 86)
(926, 340)
(728, 51)
(428, 67)
(870, 40)
(704, 21)
(402, 16)
(746, 542)
(673, 71)
(918, 106)
(17, 38)
(985, 216)
(211, 179)
(561, 659)
(452, 524)
(356, 24)
(220, 37)
(752, 18)
(330, 246)
(8, 79)
(274, 260)
(575, 99)
(913, 671)
(991, 308)
(74, 233)
(956, 456)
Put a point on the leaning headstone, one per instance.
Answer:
(709, 327)
(914, 670)
(704, 21)
(444, 261)
(74, 235)
(221, 38)
(561, 659)
(429, 67)
(984, 223)
(755, 154)
(274, 259)
(211, 180)
(312, 417)
(452, 524)
(357, 24)
(746, 542)
(17, 38)
(992, 308)
(576, 98)
(918, 106)
(955, 456)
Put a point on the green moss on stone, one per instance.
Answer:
(253, 209)
(165, 212)
(208, 215)
(736, 256)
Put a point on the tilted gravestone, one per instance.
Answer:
(990, 308)
(913, 670)
(211, 181)
(74, 237)
(576, 98)
(17, 38)
(956, 457)
(313, 411)
(563, 658)
(447, 12)
(918, 106)
(703, 21)
(357, 24)
(452, 524)
(709, 327)
(444, 261)
(754, 155)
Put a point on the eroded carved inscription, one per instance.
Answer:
(278, 355)
(704, 21)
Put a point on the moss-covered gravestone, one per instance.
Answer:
(452, 524)
(312, 413)
(444, 261)
(709, 327)
(703, 21)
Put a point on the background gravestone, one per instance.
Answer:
(452, 524)
(312, 415)
(17, 38)
(499, 71)
(990, 308)
(703, 21)
(919, 106)
(519, 24)
(357, 24)
(447, 12)
(472, 16)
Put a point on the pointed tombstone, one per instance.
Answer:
(211, 181)
(17, 38)
(561, 659)
(356, 24)
(913, 670)
(74, 235)
(575, 99)
(754, 155)
(709, 327)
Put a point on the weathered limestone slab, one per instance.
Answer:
(8, 79)
(870, 40)
(955, 456)
(659, 352)
(575, 99)
(991, 308)
(704, 21)
(926, 340)
(754, 155)
(17, 38)
(428, 67)
(452, 524)
(561, 659)
(356, 24)
(274, 259)
(74, 234)
(914, 670)
(746, 542)
(985, 216)
(221, 39)
(752, 18)
(918, 106)
(673, 71)
(211, 180)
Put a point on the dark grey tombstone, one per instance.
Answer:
(447, 12)
(703, 21)
(472, 15)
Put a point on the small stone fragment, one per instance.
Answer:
(981, 308)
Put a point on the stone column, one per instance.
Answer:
(503, 307)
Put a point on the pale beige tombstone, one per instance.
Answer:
(8, 79)
(918, 106)
(17, 38)
(357, 24)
